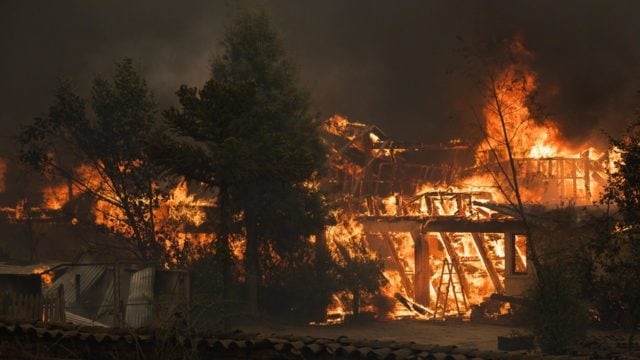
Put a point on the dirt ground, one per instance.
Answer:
(460, 333)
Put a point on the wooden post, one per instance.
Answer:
(422, 277)
(187, 293)
(60, 304)
(78, 289)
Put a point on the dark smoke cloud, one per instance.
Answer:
(382, 62)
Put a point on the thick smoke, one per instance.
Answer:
(383, 62)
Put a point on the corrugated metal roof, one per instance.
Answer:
(105, 311)
(89, 275)
(139, 307)
(81, 320)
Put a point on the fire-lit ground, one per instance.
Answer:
(459, 333)
(463, 335)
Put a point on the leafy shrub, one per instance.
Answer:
(554, 313)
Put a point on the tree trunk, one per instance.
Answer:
(356, 302)
(532, 254)
(321, 268)
(223, 252)
(251, 261)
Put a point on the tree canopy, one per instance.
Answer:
(623, 187)
(102, 153)
(248, 133)
(615, 249)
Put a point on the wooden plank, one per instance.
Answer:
(471, 226)
(488, 264)
(437, 224)
(390, 224)
(406, 283)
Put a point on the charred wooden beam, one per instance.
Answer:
(587, 175)
(406, 283)
(518, 300)
(488, 264)
(416, 146)
(452, 224)
(382, 224)
(438, 224)
(411, 305)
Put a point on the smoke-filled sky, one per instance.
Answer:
(380, 62)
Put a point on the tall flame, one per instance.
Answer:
(508, 120)
(506, 110)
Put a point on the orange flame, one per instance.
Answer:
(507, 102)
(45, 277)
(508, 119)
(176, 217)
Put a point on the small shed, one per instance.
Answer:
(20, 293)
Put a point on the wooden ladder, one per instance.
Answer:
(449, 281)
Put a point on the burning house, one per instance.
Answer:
(443, 224)
(449, 219)
(54, 241)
